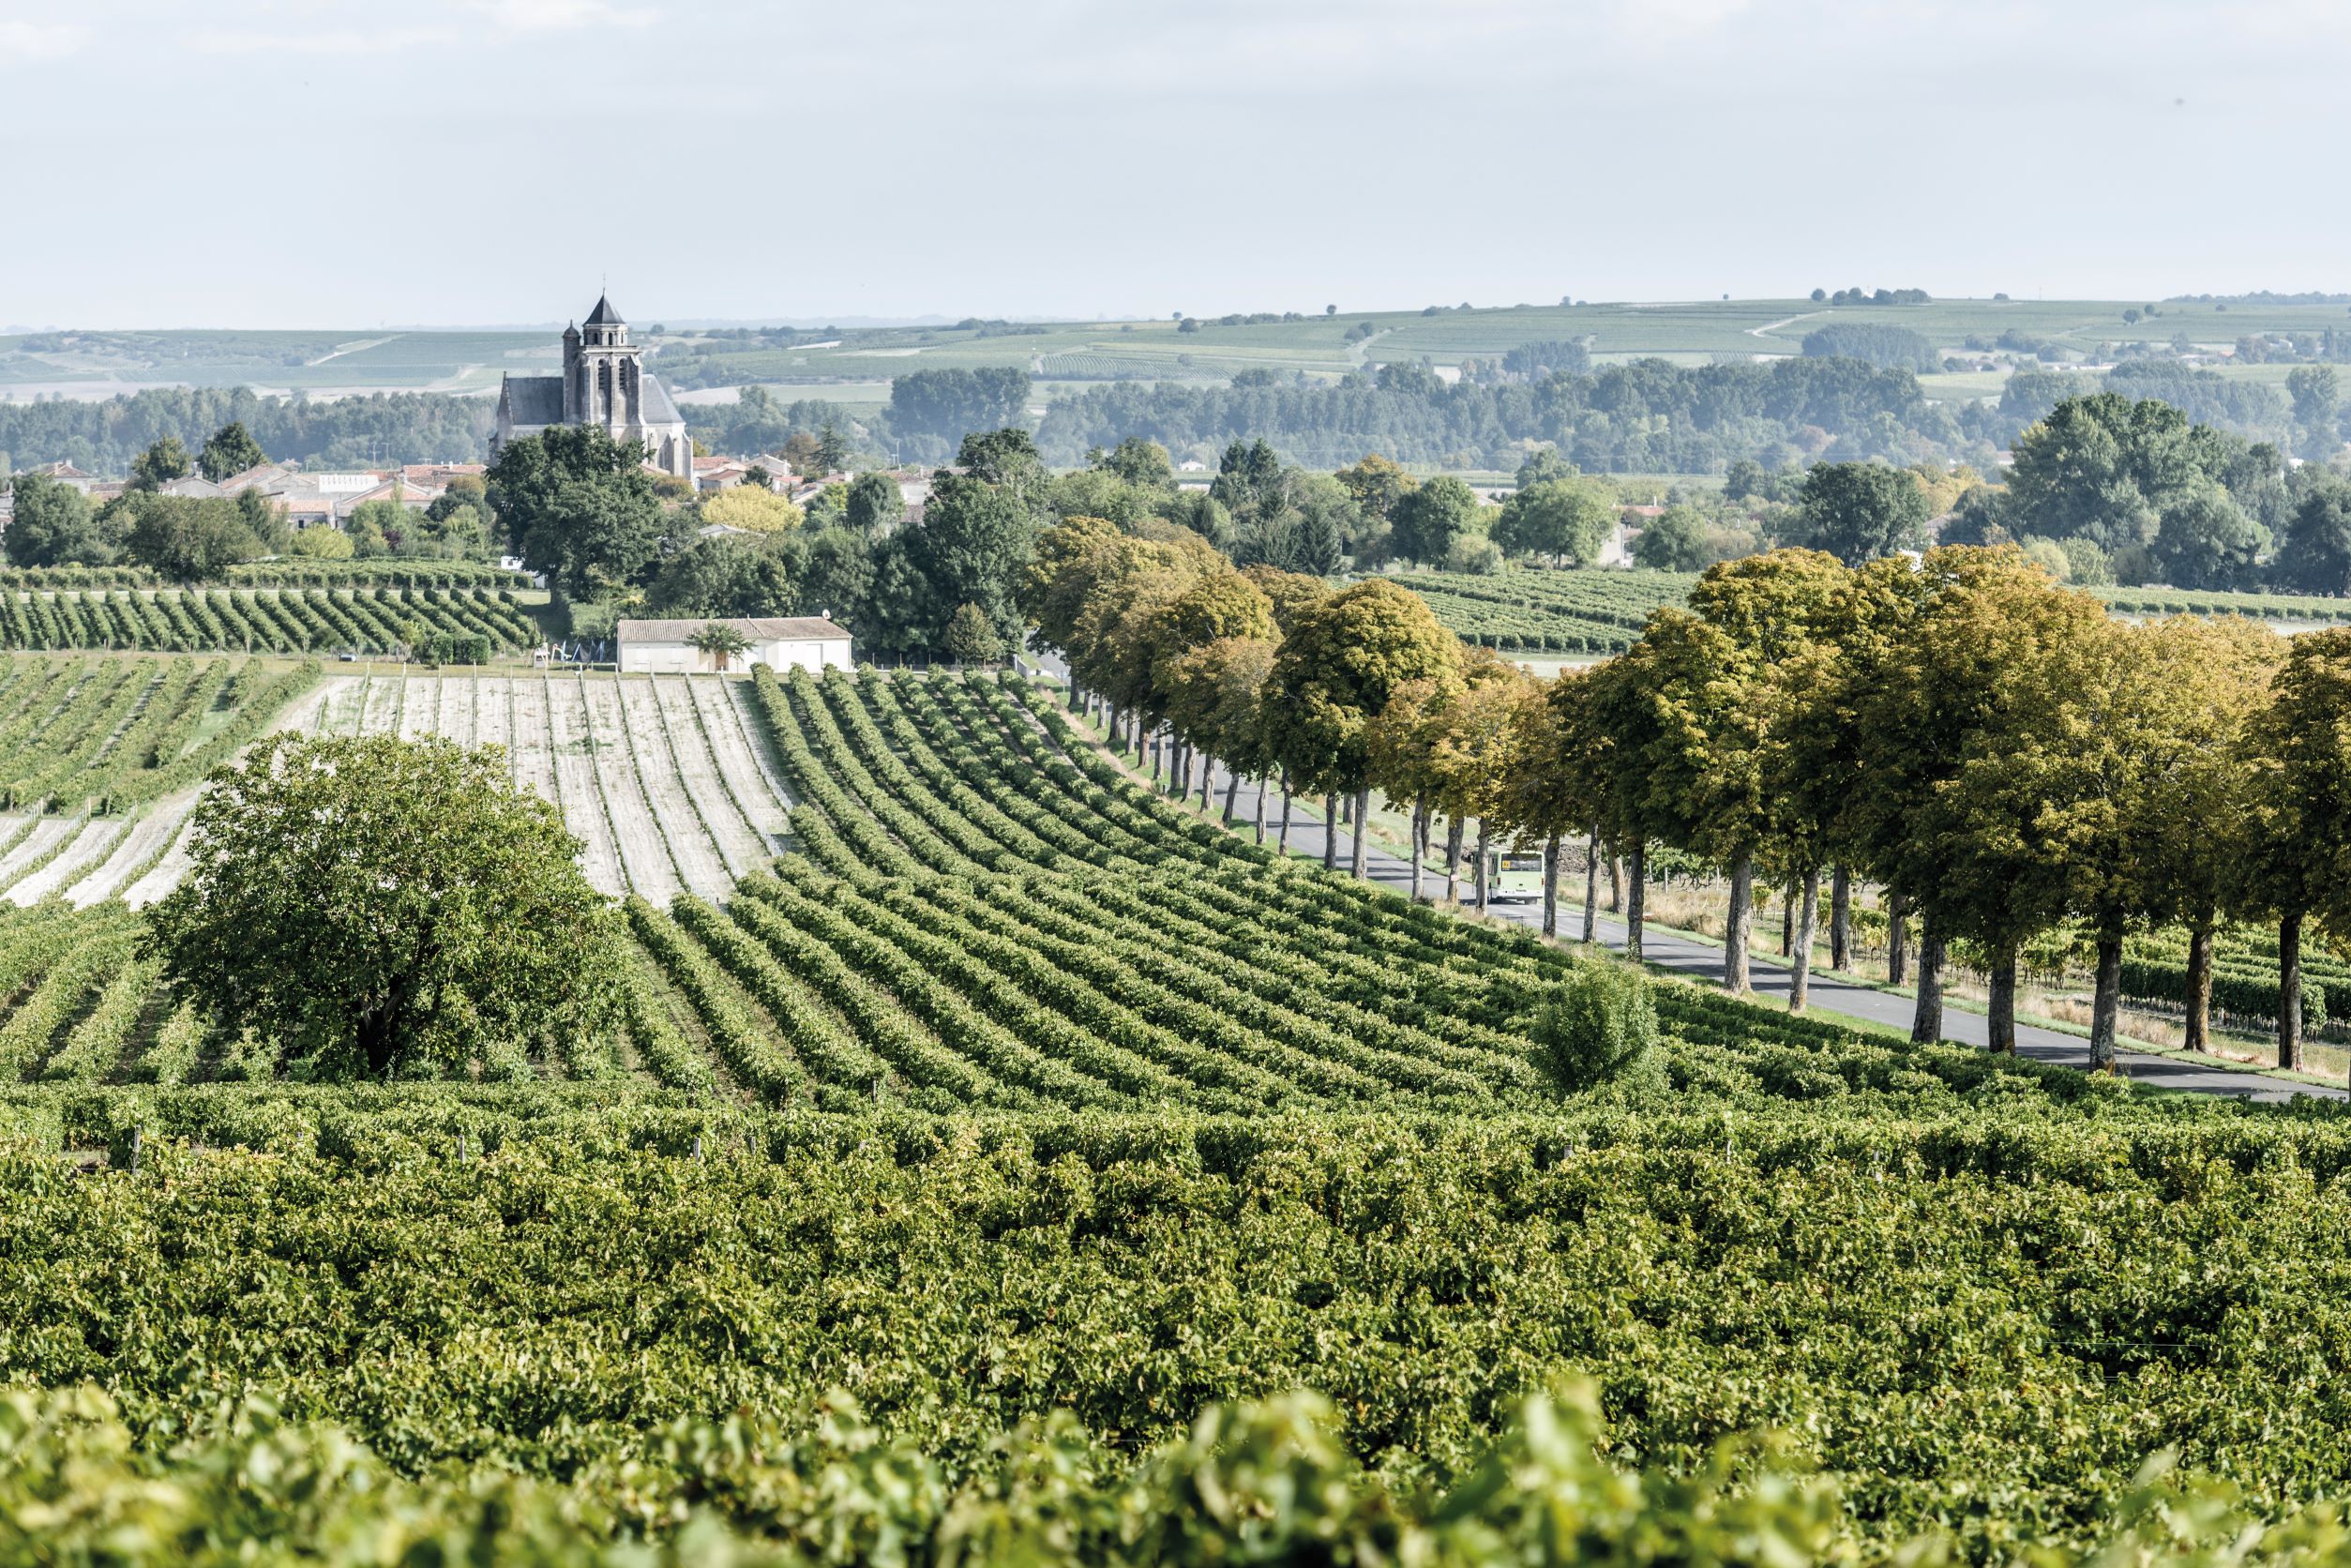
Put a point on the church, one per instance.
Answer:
(604, 382)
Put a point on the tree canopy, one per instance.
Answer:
(383, 906)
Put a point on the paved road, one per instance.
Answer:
(1772, 980)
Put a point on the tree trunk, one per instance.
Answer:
(1362, 803)
(2200, 981)
(1262, 782)
(1484, 884)
(1840, 918)
(2105, 1009)
(1232, 794)
(1183, 770)
(1329, 833)
(1807, 916)
(1927, 1022)
(1115, 717)
(1787, 922)
(2003, 1004)
(1207, 783)
(1419, 845)
(1591, 888)
(1551, 884)
(1452, 857)
(1740, 924)
(1637, 869)
(1897, 939)
(1615, 881)
(1282, 843)
(2290, 991)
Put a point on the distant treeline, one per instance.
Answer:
(2259, 296)
(1647, 417)
(343, 433)
(2257, 411)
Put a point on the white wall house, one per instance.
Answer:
(665, 647)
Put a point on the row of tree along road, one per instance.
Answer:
(1991, 750)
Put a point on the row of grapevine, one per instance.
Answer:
(1587, 611)
(288, 572)
(221, 620)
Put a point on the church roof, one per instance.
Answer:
(604, 315)
(654, 405)
(535, 399)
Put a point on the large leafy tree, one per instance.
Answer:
(1859, 511)
(578, 506)
(181, 537)
(1429, 519)
(54, 525)
(972, 546)
(1376, 484)
(229, 450)
(1977, 724)
(721, 575)
(875, 503)
(1567, 519)
(385, 908)
(2298, 859)
(1341, 661)
(159, 464)
(2105, 468)
(2316, 555)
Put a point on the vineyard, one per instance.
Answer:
(1523, 610)
(282, 572)
(1010, 1088)
(1528, 611)
(461, 621)
(668, 781)
(102, 760)
(982, 913)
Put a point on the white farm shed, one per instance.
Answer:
(665, 647)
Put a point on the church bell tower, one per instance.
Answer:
(603, 379)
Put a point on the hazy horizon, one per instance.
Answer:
(306, 164)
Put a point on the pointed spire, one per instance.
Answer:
(604, 315)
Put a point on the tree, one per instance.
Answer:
(1008, 459)
(386, 908)
(719, 642)
(1138, 461)
(1859, 511)
(1341, 659)
(875, 503)
(1429, 519)
(2315, 557)
(159, 464)
(2316, 395)
(579, 508)
(229, 450)
(321, 544)
(722, 576)
(181, 537)
(832, 449)
(2203, 539)
(1599, 1027)
(2195, 817)
(1376, 484)
(946, 405)
(379, 527)
(751, 509)
(1219, 702)
(2104, 467)
(970, 637)
(1674, 542)
(2299, 749)
(1973, 736)
(802, 455)
(1245, 474)
(972, 546)
(54, 525)
(1567, 519)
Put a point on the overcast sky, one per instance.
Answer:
(318, 163)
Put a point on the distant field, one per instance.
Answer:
(1600, 611)
(1084, 352)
